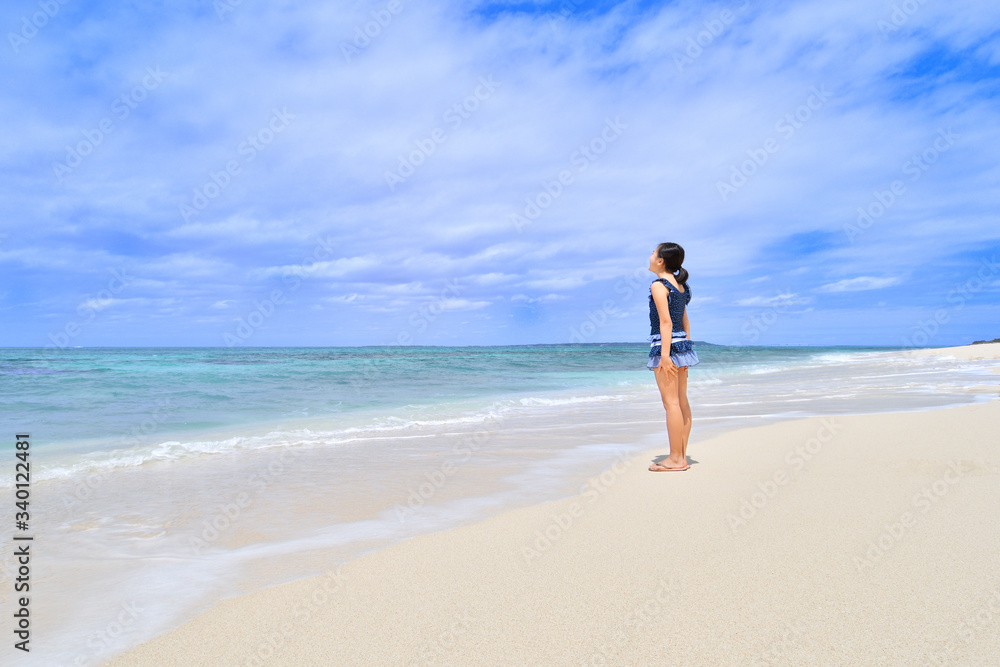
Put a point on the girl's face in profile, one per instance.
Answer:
(653, 260)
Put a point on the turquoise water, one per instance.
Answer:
(139, 454)
(96, 399)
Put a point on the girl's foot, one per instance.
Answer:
(656, 467)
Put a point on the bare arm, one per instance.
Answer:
(661, 299)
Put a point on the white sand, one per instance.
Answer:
(964, 352)
(874, 540)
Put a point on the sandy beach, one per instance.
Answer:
(964, 352)
(858, 539)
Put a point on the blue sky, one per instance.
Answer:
(458, 173)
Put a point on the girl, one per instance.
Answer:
(668, 298)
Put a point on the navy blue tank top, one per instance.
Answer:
(677, 301)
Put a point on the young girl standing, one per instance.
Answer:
(668, 298)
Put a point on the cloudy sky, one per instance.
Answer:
(395, 171)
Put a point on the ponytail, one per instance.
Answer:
(673, 256)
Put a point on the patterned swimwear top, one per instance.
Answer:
(677, 301)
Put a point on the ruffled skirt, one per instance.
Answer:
(681, 352)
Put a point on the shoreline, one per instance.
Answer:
(594, 562)
(154, 432)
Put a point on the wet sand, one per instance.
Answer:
(857, 539)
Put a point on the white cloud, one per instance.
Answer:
(860, 284)
(461, 304)
(99, 304)
(238, 229)
(548, 298)
(783, 299)
(493, 278)
(337, 268)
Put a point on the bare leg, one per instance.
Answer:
(666, 380)
(682, 399)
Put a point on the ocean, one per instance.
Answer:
(166, 478)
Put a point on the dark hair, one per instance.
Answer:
(673, 256)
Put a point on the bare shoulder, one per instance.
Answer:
(660, 294)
